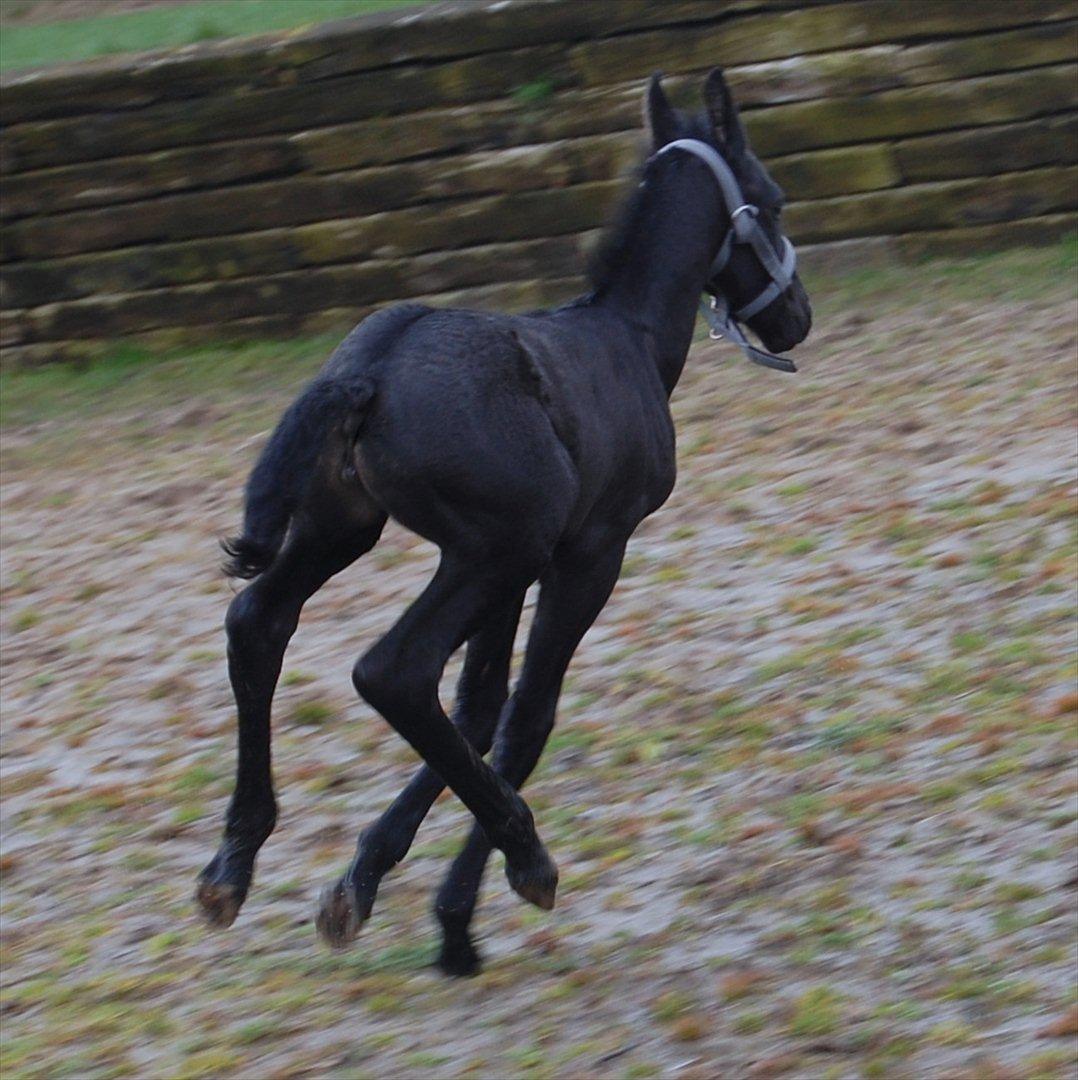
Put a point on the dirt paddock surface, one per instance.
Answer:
(812, 792)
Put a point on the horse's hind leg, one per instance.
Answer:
(260, 622)
(481, 692)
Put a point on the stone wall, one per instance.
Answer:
(293, 182)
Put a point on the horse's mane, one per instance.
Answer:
(626, 224)
(631, 217)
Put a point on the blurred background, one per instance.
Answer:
(813, 791)
(468, 151)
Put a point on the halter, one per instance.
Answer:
(744, 229)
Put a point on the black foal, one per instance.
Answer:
(527, 448)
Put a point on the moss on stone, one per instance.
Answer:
(936, 107)
(845, 170)
(1030, 232)
(937, 205)
(126, 179)
(981, 151)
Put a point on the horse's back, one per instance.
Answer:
(458, 444)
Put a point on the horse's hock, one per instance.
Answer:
(465, 153)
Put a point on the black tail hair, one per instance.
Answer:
(280, 478)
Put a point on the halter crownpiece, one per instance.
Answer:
(744, 229)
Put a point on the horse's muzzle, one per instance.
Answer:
(787, 322)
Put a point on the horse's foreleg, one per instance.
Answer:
(259, 624)
(399, 677)
(481, 693)
(573, 593)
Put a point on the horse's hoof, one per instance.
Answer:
(338, 919)
(220, 902)
(536, 880)
(459, 958)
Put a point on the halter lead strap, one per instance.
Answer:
(744, 229)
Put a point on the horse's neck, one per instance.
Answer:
(658, 286)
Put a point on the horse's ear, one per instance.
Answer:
(659, 117)
(723, 113)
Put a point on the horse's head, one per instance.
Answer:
(741, 277)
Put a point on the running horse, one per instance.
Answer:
(527, 448)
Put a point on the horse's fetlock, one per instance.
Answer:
(251, 827)
(516, 836)
(453, 914)
(374, 851)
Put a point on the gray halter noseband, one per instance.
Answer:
(744, 229)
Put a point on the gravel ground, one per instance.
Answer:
(813, 791)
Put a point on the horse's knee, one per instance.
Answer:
(387, 683)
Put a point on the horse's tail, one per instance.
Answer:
(280, 479)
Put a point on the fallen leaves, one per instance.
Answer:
(1065, 705)
(1061, 1027)
(813, 765)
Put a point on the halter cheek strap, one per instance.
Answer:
(744, 229)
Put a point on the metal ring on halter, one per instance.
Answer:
(744, 231)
